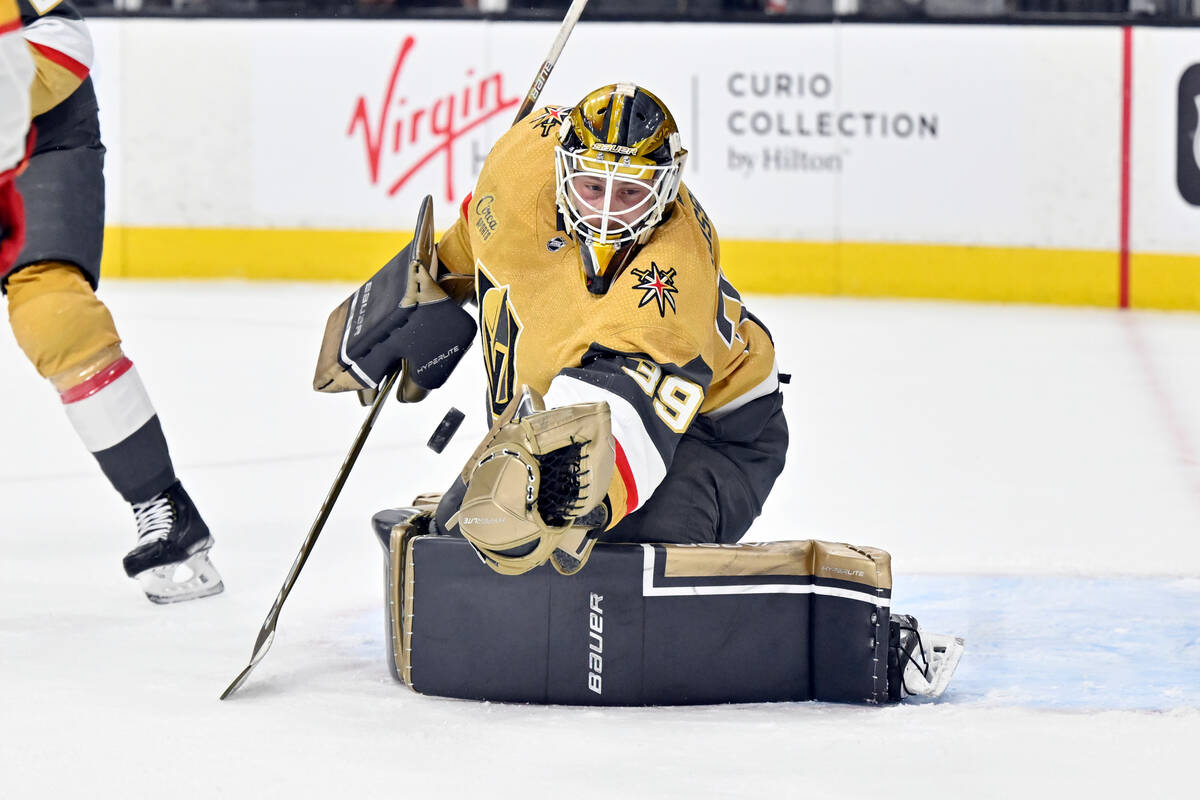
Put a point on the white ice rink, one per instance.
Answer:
(1035, 473)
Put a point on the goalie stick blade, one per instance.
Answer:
(260, 649)
(237, 682)
(266, 633)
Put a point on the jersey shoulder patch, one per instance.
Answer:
(548, 119)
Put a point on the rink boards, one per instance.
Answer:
(1034, 164)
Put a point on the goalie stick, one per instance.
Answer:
(543, 74)
(422, 251)
(266, 635)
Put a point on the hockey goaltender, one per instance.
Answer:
(637, 429)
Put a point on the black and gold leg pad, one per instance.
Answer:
(641, 624)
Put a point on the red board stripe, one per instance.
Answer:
(626, 473)
(62, 59)
(97, 382)
(9, 27)
(1126, 120)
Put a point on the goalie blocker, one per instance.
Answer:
(401, 315)
(653, 624)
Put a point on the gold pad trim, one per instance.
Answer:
(868, 566)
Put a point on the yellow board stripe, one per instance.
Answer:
(1004, 274)
(1163, 281)
(994, 274)
(258, 254)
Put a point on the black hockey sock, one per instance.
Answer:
(139, 466)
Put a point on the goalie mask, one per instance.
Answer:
(617, 171)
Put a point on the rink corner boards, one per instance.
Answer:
(853, 269)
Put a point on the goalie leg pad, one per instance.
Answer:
(644, 624)
(402, 524)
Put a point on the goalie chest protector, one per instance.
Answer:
(641, 624)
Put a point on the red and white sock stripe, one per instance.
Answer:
(639, 463)
(108, 407)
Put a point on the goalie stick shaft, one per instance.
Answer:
(543, 73)
(267, 634)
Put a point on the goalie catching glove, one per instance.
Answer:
(401, 317)
(536, 486)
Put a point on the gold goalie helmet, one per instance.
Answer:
(617, 171)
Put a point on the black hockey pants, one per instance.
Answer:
(720, 477)
(63, 187)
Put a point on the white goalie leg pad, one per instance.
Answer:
(928, 672)
(190, 579)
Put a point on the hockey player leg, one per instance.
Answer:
(920, 664)
(110, 410)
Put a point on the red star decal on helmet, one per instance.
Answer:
(658, 285)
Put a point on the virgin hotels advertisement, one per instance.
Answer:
(963, 135)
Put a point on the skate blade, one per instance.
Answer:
(191, 579)
(944, 653)
(947, 651)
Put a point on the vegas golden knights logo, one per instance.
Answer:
(501, 328)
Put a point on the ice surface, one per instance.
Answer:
(1033, 471)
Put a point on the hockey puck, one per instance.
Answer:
(446, 429)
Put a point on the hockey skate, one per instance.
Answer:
(171, 560)
(920, 664)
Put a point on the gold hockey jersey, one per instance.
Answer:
(61, 47)
(669, 340)
(16, 72)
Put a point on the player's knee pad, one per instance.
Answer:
(60, 324)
